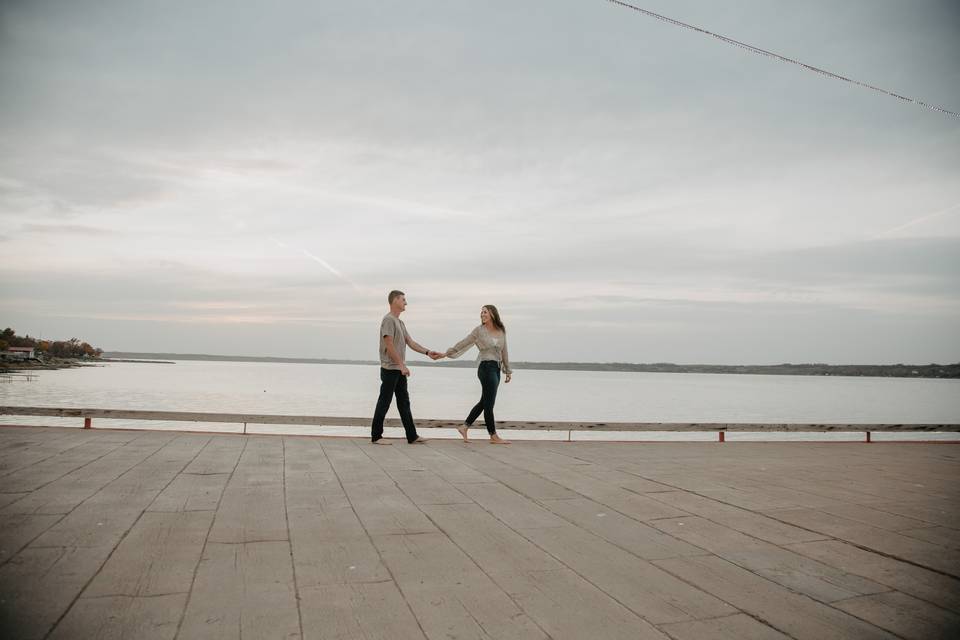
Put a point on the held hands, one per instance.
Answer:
(435, 355)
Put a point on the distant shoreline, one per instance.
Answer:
(11, 366)
(878, 370)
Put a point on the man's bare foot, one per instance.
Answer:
(463, 433)
(495, 439)
(418, 441)
(381, 441)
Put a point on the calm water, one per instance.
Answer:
(447, 393)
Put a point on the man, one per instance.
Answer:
(393, 370)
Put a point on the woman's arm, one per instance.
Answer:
(463, 346)
(505, 359)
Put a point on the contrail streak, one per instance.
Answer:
(326, 265)
(929, 216)
(323, 262)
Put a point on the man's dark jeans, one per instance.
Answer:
(393, 382)
(489, 374)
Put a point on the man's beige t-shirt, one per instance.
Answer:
(393, 326)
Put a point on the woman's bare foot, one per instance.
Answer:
(463, 433)
(495, 439)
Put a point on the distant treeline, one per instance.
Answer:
(872, 370)
(72, 348)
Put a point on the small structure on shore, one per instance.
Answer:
(19, 353)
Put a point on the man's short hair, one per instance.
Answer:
(394, 295)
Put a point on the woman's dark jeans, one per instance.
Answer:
(489, 374)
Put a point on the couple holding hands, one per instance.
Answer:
(490, 338)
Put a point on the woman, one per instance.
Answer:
(491, 339)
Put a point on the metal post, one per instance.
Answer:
(722, 436)
(244, 428)
(568, 435)
(868, 437)
(87, 423)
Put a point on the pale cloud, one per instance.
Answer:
(599, 176)
(66, 229)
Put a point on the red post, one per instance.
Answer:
(722, 436)
(87, 423)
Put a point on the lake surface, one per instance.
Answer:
(447, 393)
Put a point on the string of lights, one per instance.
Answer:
(777, 56)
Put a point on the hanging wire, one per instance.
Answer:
(777, 56)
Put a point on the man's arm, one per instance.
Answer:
(419, 348)
(395, 355)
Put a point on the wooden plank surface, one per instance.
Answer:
(904, 615)
(167, 535)
(795, 572)
(788, 612)
(153, 618)
(158, 556)
(922, 583)
(243, 590)
(736, 627)
(448, 593)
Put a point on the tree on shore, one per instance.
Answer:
(72, 348)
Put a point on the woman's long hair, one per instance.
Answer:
(495, 317)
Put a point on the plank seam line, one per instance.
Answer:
(883, 553)
(758, 617)
(28, 542)
(800, 594)
(740, 612)
(548, 553)
(64, 514)
(130, 528)
(758, 514)
(563, 565)
(542, 504)
(370, 538)
(786, 546)
(286, 518)
(242, 542)
(44, 459)
(206, 538)
(467, 555)
(866, 595)
(80, 468)
(879, 507)
(132, 596)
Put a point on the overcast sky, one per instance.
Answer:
(254, 177)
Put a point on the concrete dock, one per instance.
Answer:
(147, 534)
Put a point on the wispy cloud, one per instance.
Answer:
(68, 229)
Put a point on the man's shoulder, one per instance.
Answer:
(391, 320)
